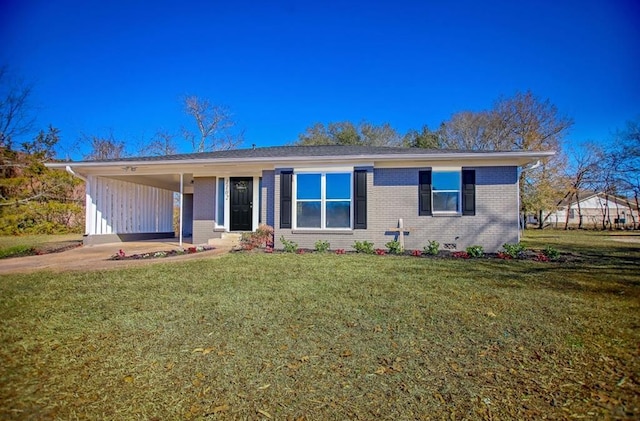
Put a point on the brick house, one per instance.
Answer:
(340, 194)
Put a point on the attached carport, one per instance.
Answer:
(133, 202)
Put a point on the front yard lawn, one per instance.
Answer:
(316, 336)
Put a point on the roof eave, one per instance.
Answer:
(518, 158)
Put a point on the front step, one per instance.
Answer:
(232, 235)
(228, 239)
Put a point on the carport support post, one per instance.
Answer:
(181, 205)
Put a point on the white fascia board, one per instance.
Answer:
(512, 158)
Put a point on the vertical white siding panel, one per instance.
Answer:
(90, 207)
(101, 206)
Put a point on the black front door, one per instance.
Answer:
(241, 204)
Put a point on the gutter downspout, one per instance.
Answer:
(73, 173)
(88, 224)
(529, 167)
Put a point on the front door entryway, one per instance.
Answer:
(241, 204)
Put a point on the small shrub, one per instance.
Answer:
(261, 237)
(340, 251)
(416, 253)
(363, 247)
(300, 251)
(322, 246)
(394, 247)
(380, 252)
(432, 248)
(475, 251)
(505, 256)
(514, 250)
(289, 246)
(551, 252)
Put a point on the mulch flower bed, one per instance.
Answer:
(532, 255)
(121, 255)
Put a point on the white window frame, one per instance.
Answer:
(224, 205)
(323, 198)
(435, 171)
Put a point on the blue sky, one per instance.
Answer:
(281, 66)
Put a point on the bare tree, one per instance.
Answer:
(625, 158)
(16, 117)
(581, 175)
(470, 131)
(161, 144)
(104, 148)
(521, 122)
(215, 126)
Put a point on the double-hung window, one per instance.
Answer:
(323, 200)
(445, 191)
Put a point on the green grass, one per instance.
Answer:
(326, 336)
(16, 251)
(14, 246)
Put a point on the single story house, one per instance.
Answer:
(340, 194)
(596, 208)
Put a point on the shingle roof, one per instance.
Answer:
(296, 151)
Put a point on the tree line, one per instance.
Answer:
(34, 199)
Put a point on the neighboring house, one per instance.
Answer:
(598, 210)
(340, 194)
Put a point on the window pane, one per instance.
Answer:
(448, 180)
(338, 186)
(338, 214)
(308, 214)
(220, 204)
(445, 202)
(308, 186)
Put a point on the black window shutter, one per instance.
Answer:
(468, 192)
(286, 195)
(360, 199)
(424, 193)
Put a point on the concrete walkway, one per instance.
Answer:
(91, 258)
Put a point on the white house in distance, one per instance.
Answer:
(339, 194)
(598, 210)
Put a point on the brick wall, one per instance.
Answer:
(204, 200)
(393, 193)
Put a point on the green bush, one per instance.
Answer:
(514, 250)
(363, 247)
(42, 218)
(394, 247)
(322, 246)
(289, 246)
(551, 252)
(432, 248)
(475, 251)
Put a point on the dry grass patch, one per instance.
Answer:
(324, 337)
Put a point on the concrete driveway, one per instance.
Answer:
(91, 258)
